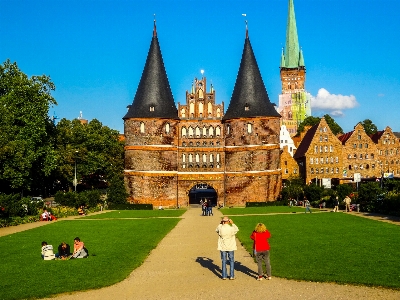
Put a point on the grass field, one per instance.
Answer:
(116, 247)
(329, 247)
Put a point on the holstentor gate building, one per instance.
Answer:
(170, 150)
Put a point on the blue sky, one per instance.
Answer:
(95, 51)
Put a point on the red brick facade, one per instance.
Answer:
(165, 158)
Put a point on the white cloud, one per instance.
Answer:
(333, 104)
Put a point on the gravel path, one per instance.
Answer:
(187, 266)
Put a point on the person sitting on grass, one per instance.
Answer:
(64, 251)
(47, 251)
(79, 249)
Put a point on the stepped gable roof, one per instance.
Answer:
(249, 98)
(376, 136)
(344, 137)
(305, 143)
(153, 97)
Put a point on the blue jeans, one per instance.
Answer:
(228, 255)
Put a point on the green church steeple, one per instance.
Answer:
(292, 56)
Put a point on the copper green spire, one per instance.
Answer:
(292, 51)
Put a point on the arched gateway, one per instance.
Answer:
(203, 191)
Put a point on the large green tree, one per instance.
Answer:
(369, 127)
(95, 149)
(26, 150)
(311, 121)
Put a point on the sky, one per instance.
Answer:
(95, 51)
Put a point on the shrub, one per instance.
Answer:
(263, 204)
(85, 198)
(116, 192)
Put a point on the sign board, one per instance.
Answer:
(326, 182)
(387, 175)
(357, 177)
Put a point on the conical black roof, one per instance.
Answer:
(153, 97)
(249, 98)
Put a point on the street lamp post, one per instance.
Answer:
(75, 181)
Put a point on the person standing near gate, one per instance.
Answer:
(227, 245)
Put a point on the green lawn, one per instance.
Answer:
(138, 214)
(263, 210)
(116, 247)
(330, 247)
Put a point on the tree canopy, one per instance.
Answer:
(369, 127)
(311, 121)
(26, 152)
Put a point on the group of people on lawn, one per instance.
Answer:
(64, 251)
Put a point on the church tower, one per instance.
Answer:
(151, 130)
(294, 102)
(252, 155)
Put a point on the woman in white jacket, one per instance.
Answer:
(227, 245)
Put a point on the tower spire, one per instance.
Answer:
(155, 28)
(292, 50)
(153, 98)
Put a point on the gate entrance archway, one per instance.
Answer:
(202, 191)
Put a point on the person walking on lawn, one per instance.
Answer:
(261, 248)
(336, 204)
(227, 245)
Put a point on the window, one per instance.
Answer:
(337, 159)
(167, 128)
(326, 148)
(316, 149)
(190, 157)
(360, 146)
(295, 171)
(197, 158)
(183, 131)
(197, 132)
(361, 157)
(311, 161)
(322, 170)
(326, 138)
(204, 131)
(228, 129)
(337, 170)
(320, 138)
(349, 167)
(249, 128)
(204, 157)
(218, 131)
(183, 157)
(211, 131)
(316, 160)
(366, 156)
(331, 148)
(355, 146)
(211, 158)
(183, 112)
(141, 127)
(190, 132)
(372, 156)
(321, 149)
(286, 171)
(312, 170)
(151, 108)
(349, 157)
(366, 145)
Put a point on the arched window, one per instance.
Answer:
(204, 157)
(190, 131)
(167, 128)
(311, 161)
(191, 110)
(217, 157)
(228, 129)
(183, 113)
(211, 158)
(183, 131)
(218, 131)
(183, 157)
(201, 107)
(218, 113)
(141, 127)
(204, 131)
(190, 157)
(197, 132)
(197, 158)
(211, 131)
(312, 170)
(209, 108)
(201, 94)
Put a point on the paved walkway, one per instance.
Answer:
(186, 265)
